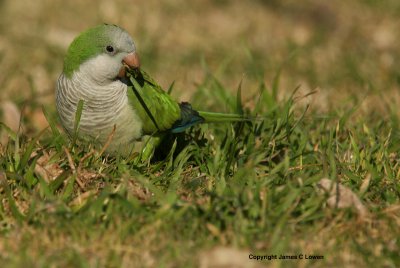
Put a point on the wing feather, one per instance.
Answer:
(155, 107)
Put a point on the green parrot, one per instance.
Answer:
(102, 69)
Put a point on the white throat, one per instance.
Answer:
(105, 104)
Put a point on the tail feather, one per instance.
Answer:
(191, 117)
(210, 117)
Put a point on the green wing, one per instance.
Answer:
(154, 106)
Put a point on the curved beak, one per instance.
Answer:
(131, 61)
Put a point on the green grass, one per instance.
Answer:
(222, 191)
(250, 186)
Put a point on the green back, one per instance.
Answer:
(164, 110)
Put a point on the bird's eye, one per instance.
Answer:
(109, 49)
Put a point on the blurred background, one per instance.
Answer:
(348, 51)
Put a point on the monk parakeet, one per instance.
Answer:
(101, 68)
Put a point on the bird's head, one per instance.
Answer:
(102, 52)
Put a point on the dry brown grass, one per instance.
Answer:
(346, 50)
(341, 49)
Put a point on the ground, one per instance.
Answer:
(317, 176)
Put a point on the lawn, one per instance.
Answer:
(314, 181)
